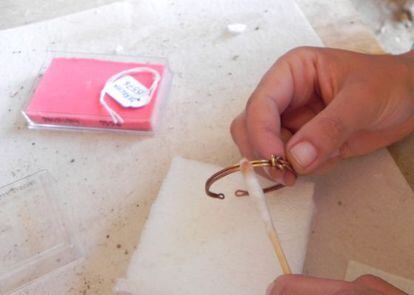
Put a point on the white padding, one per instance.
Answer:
(193, 244)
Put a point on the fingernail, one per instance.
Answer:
(304, 153)
(269, 289)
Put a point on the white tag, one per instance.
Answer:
(128, 92)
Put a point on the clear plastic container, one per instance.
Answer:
(66, 93)
(34, 237)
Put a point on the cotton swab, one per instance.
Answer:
(256, 192)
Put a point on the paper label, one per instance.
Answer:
(128, 92)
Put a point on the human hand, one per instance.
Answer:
(298, 285)
(316, 106)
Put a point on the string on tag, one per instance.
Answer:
(116, 118)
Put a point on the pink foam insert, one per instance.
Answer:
(68, 94)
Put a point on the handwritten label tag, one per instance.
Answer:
(128, 92)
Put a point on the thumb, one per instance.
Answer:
(320, 138)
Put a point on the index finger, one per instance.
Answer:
(289, 82)
(263, 113)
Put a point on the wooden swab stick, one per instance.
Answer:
(256, 192)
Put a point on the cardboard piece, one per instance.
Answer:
(364, 213)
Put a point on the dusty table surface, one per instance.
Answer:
(108, 207)
(343, 28)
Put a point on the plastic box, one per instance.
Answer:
(66, 93)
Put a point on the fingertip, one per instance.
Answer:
(275, 174)
(289, 178)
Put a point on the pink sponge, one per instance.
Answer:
(68, 95)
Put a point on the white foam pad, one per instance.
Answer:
(193, 244)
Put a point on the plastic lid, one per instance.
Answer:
(34, 239)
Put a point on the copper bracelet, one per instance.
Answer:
(274, 162)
